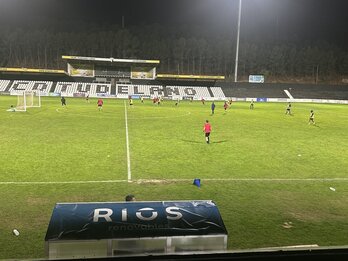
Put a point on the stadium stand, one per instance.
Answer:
(3, 85)
(19, 86)
(78, 87)
(217, 92)
(185, 89)
(107, 71)
(256, 90)
(197, 92)
(334, 92)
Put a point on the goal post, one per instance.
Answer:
(28, 99)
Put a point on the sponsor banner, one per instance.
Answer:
(103, 95)
(67, 94)
(261, 99)
(122, 96)
(256, 79)
(87, 221)
(54, 94)
(79, 94)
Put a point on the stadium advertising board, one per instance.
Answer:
(256, 78)
(261, 99)
(87, 221)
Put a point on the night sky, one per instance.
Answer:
(307, 20)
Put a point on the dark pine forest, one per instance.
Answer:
(181, 50)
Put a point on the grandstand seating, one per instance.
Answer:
(335, 92)
(197, 92)
(3, 85)
(19, 86)
(256, 90)
(217, 92)
(206, 90)
(77, 87)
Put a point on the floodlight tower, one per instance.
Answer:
(237, 47)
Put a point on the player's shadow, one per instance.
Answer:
(219, 141)
(193, 141)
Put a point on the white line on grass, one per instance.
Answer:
(245, 179)
(127, 143)
(166, 180)
(59, 182)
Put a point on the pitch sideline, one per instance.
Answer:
(129, 173)
(169, 180)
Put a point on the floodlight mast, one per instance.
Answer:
(237, 47)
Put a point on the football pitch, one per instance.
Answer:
(277, 181)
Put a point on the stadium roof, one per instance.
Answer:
(30, 70)
(110, 60)
(190, 76)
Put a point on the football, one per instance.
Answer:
(15, 232)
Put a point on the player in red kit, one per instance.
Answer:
(225, 106)
(100, 104)
(207, 130)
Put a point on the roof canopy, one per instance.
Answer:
(88, 221)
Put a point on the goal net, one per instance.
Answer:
(27, 100)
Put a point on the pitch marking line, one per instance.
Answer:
(163, 181)
(59, 182)
(129, 176)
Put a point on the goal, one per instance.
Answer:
(28, 99)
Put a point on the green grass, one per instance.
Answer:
(79, 143)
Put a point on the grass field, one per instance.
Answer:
(263, 168)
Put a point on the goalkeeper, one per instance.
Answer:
(11, 109)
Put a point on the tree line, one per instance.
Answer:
(179, 53)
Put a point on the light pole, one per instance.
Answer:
(237, 48)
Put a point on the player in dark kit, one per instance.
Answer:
(207, 130)
(212, 108)
(251, 105)
(63, 101)
(311, 117)
(288, 109)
